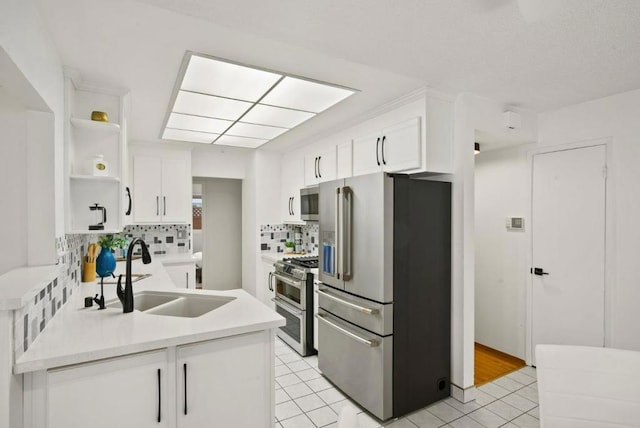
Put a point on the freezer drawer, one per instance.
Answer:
(369, 315)
(357, 362)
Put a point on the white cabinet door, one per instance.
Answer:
(176, 191)
(226, 382)
(366, 154)
(122, 392)
(147, 178)
(183, 275)
(311, 170)
(327, 165)
(265, 290)
(400, 146)
(344, 168)
(292, 182)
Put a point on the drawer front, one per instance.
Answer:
(357, 362)
(372, 316)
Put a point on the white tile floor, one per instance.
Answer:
(304, 398)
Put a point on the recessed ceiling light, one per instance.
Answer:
(232, 104)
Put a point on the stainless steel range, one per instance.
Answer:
(294, 301)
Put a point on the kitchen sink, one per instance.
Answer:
(145, 300)
(173, 304)
(190, 306)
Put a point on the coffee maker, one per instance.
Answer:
(100, 215)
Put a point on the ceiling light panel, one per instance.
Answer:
(198, 123)
(251, 143)
(211, 76)
(255, 131)
(210, 106)
(276, 116)
(304, 95)
(190, 136)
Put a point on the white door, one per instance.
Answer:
(121, 392)
(400, 146)
(568, 239)
(176, 191)
(226, 383)
(147, 182)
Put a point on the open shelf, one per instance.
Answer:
(95, 232)
(95, 178)
(106, 127)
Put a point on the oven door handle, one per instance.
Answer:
(369, 342)
(286, 306)
(369, 311)
(286, 280)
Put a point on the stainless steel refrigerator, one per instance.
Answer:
(385, 293)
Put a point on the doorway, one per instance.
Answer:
(219, 238)
(568, 247)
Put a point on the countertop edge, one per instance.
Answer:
(35, 278)
(135, 348)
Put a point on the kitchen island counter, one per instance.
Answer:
(77, 334)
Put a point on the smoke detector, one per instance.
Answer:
(511, 120)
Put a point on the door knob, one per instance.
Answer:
(539, 271)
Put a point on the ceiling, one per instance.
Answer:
(580, 50)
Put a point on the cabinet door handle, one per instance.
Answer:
(185, 388)
(292, 210)
(377, 154)
(290, 201)
(157, 205)
(164, 201)
(129, 206)
(187, 279)
(319, 173)
(316, 167)
(270, 281)
(384, 162)
(159, 398)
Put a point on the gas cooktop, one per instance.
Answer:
(309, 262)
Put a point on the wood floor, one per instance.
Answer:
(491, 364)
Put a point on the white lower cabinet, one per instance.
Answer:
(227, 382)
(129, 391)
(182, 274)
(224, 383)
(266, 290)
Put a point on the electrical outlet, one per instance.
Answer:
(182, 234)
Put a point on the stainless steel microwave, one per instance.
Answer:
(309, 209)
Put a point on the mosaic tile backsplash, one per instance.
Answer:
(273, 237)
(162, 238)
(29, 321)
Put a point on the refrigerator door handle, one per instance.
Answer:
(372, 343)
(364, 309)
(347, 233)
(338, 246)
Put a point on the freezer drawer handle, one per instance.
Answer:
(370, 311)
(372, 343)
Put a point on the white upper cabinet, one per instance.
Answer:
(393, 149)
(344, 162)
(292, 182)
(320, 166)
(162, 187)
(85, 141)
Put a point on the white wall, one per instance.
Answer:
(501, 267)
(13, 185)
(220, 162)
(222, 233)
(616, 117)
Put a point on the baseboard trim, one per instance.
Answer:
(463, 395)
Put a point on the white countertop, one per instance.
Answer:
(77, 334)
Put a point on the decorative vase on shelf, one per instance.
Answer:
(105, 263)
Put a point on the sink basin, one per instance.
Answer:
(145, 300)
(190, 306)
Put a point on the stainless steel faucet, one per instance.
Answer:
(126, 295)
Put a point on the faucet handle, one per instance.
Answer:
(119, 290)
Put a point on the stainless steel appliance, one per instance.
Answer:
(294, 301)
(309, 203)
(385, 293)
